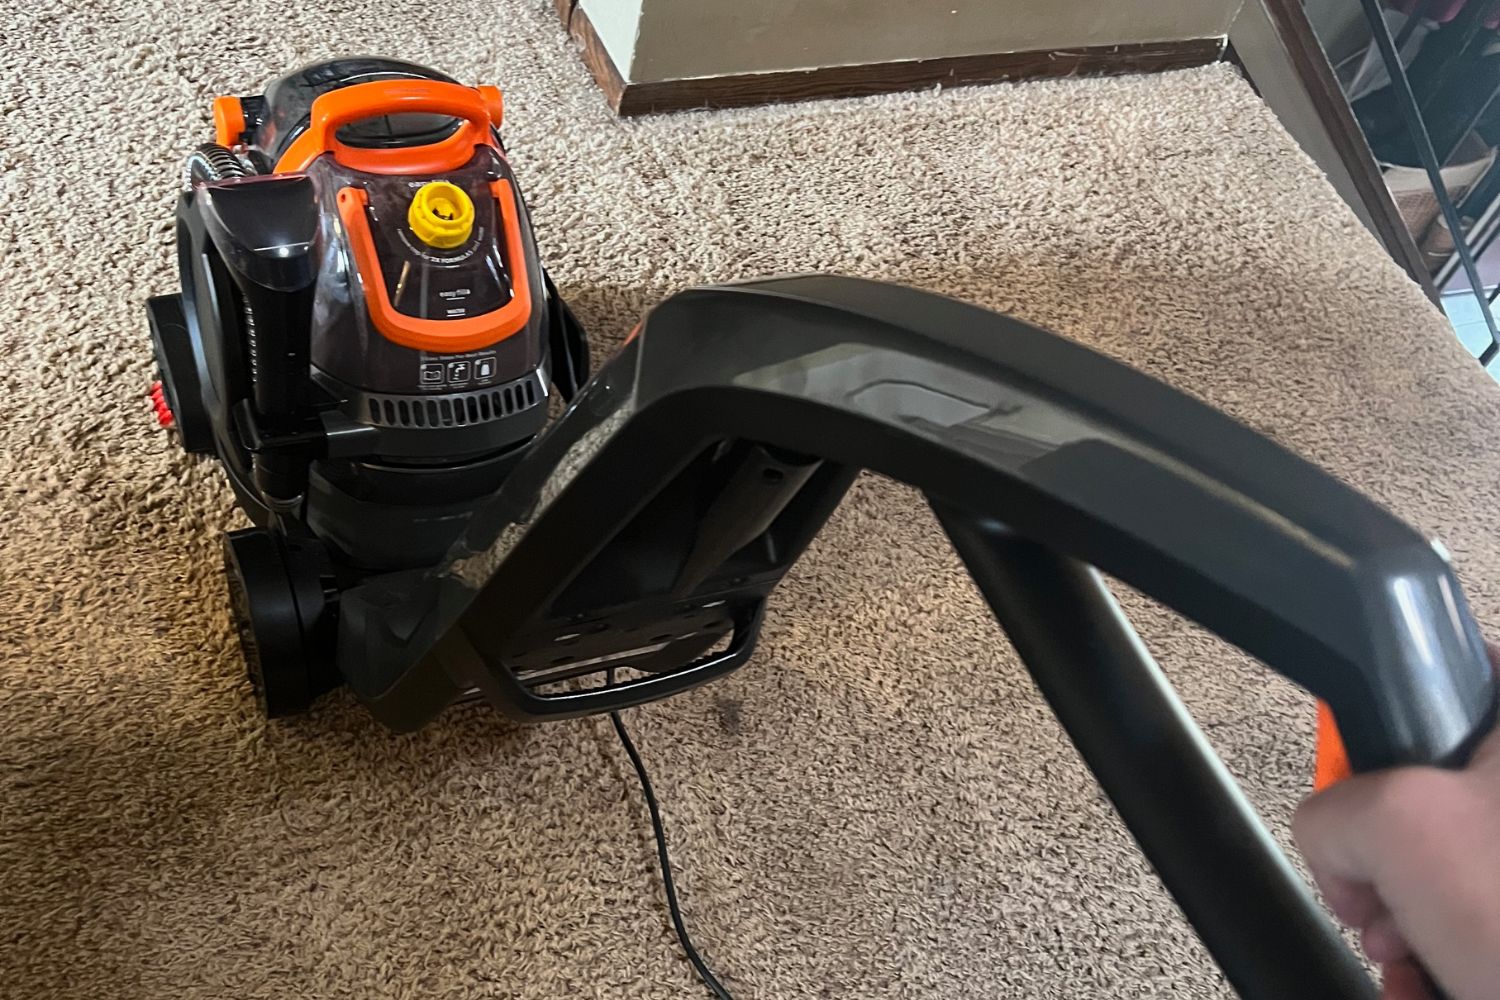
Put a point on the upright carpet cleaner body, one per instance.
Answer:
(418, 540)
(365, 337)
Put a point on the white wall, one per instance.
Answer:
(616, 23)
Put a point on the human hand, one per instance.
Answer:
(1411, 859)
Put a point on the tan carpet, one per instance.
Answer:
(879, 805)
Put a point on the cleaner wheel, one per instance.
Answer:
(283, 618)
(177, 397)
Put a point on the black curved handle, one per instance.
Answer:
(1106, 465)
(1099, 462)
(1013, 433)
(1253, 911)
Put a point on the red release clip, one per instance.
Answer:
(159, 403)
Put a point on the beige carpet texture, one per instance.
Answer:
(879, 804)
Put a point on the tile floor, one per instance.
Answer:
(1468, 322)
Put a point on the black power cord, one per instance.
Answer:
(704, 972)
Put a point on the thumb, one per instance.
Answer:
(1336, 831)
(1340, 867)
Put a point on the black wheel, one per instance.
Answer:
(282, 616)
(171, 344)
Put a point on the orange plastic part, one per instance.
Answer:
(494, 103)
(1332, 763)
(439, 336)
(229, 121)
(478, 109)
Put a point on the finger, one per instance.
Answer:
(1333, 831)
(1383, 942)
(1355, 903)
(1404, 981)
(1487, 754)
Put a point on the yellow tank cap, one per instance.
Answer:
(441, 215)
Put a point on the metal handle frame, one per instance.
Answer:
(1213, 853)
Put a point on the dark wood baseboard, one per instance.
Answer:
(595, 56)
(627, 98)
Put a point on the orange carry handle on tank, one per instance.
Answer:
(477, 110)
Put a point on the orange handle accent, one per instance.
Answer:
(1331, 763)
(439, 336)
(229, 121)
(494, 103)
(347, 105)
(475, 107)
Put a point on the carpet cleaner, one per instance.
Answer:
(365, 338)
(366, 341)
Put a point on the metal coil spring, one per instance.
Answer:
(211, 162)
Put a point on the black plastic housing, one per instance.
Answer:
(324, 426)
(654, 520)
(1097, 461)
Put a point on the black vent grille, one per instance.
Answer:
(460, 409)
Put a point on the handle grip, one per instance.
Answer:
(1429, 662)
(478, 109)
(347, 105)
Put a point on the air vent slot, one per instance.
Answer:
(458, 409)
